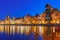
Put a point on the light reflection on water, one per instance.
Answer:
(5, 36)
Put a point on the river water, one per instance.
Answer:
(5, 36)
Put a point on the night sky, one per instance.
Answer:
(20, 8)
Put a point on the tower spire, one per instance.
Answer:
(48, 6)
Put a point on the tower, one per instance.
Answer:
(48, 12)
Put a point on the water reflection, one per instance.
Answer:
(4, 36)
(28, 32)
(12, 32)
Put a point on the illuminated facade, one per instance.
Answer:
(45, 18)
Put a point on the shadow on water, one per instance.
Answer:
(5, 36)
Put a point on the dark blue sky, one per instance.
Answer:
(19, 8)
